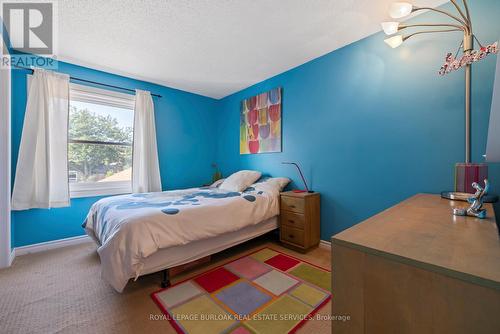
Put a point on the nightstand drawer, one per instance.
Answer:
(292, 235)
(292, 219)
(292, 204)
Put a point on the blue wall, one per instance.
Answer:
(185, 133)
(371, 125)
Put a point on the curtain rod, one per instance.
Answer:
(89, 81)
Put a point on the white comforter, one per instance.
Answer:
(130, 228)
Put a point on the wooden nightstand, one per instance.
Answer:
(299, 220)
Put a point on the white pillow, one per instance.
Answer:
(281, 182)
(217, 183)
(276, 183)
(239, 181)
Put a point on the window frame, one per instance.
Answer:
(93, 95)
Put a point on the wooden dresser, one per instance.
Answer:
(299, 220)
(416, 268)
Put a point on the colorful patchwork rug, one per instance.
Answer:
(264, 292)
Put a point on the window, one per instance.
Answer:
(100, 136)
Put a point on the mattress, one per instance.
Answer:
(178, 255)
(132, 228)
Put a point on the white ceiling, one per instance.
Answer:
(211, 47)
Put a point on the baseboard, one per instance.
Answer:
(12, 256)
(325, 244)
(6, 261)
(43, 246)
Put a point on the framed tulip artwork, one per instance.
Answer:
(260, 123)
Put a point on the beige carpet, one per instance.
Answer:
(60, 291)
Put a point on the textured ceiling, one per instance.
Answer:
(211, 47)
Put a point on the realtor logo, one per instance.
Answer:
(29, 27)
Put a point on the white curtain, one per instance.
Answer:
(145, 166)
(42, 166)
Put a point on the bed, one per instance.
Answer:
(139, 234)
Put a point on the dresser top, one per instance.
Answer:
(422, 231)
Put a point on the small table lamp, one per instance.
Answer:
(301, 176)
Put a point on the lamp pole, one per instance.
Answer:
(468, 47)
(468, 83)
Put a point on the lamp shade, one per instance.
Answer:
(493, 145)
(395, 41)
(398, 10)
(390, 27)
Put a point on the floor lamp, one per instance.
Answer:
(465, 173)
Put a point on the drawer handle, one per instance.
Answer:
(292, 206)
(291, 236)
(291, 221)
